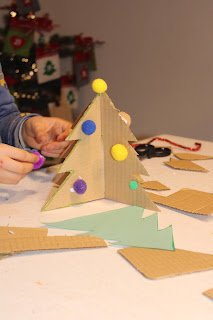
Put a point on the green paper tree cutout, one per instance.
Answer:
(125, 226)
(49, 68)
(70, 97)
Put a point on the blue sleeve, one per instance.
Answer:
(10, 117)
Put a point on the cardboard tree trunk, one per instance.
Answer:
(89, 158)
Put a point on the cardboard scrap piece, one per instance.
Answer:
(191, 156)
(156, 264)
(188, 200)
(185, 165)
(19, 232)
(154, 185)
(209, 293)
(49, 243)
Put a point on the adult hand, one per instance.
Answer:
(47, 134)
(15, 163)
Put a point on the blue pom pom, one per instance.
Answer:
(88, 127)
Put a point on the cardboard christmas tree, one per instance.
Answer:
(100, 162)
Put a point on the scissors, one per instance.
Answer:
(149, 151)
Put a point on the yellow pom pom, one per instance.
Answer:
(99, 86)
(119, 152)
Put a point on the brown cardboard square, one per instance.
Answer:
(49, 243)
(62, 111)
(157, 264)
(185, 165)
(191, 156)
(209, 293)
(20, 232)
(154, 185)
(188, 200)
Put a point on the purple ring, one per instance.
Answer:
(40, 162)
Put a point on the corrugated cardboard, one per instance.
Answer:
(156, 264)
(209, 293)
(49, 243)
(84, 161)
(191, 156)
(118, 174)
(154, 185)
(185, 165)
(188, 200)
(90, 159)
(19, 232)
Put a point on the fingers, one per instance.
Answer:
(63, 135)
(17, 154)
(36, 127)
(15, 164)
(39, 131)
(51, 154)
(55, 147)
(8, 177)
(18, 167)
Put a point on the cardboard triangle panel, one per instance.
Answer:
(188, 200)
(191, 156)
(157, 264)
(119, 174)
(185, 165)
(154, 185)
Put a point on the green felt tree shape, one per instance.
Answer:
(125, 226)
(49, 68)
(70, 97)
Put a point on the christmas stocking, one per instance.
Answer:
(18, 43)
(48, 67)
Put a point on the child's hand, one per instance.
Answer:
(47, 134)
(15, 163)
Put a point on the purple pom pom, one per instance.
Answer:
(80, 186)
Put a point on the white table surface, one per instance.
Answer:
(98, 284)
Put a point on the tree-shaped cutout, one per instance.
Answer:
(125, 227)
(71, 97)
(49, 68)
(100, 163)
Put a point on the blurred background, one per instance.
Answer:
(156, 57)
